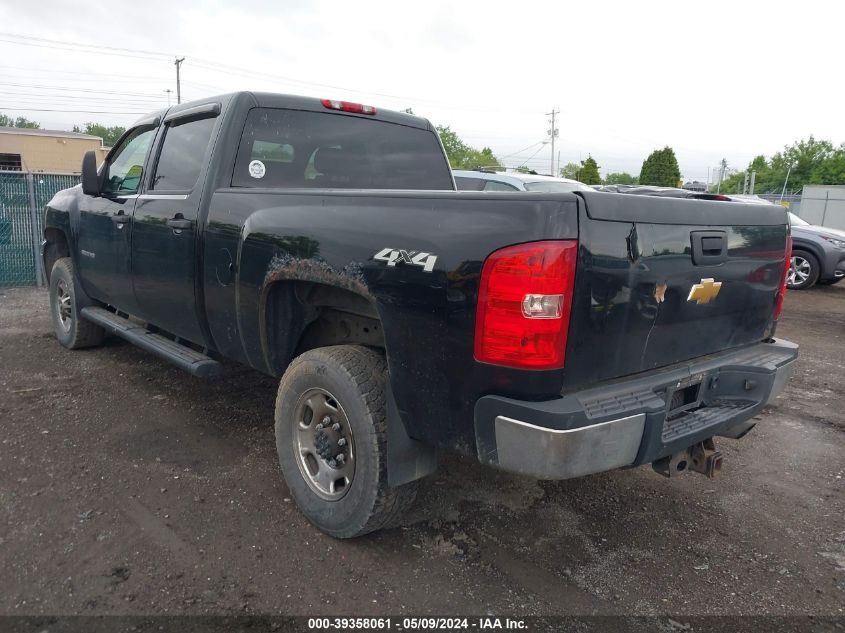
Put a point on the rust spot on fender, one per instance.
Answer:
(284, 267)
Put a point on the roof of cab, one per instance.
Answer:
(295, 102)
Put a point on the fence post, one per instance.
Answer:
(824, 211)
(40, 277)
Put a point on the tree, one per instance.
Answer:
(620, 178)
(462, 156)
(570, 170)
(661, 169)
(814, 162)
(110, 135)
(7, 121)
(589, 173)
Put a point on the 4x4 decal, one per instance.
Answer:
(395, 256)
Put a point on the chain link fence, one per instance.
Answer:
(23, 197)
(791, 201)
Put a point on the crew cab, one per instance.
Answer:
(323, 242)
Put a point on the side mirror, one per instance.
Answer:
(90, 180)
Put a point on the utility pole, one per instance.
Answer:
(724, 166)
(178, 63)
(753, 178)
(168, 91)
(553, 135)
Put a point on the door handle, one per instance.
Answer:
(179, 223)
(709, 248)
(120, 218)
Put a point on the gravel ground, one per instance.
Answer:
(128, 487)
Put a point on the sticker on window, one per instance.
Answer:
(257, 169)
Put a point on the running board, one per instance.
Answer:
(182, 356)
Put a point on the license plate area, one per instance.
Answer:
(685, 396)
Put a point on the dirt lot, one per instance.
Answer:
(128, 487)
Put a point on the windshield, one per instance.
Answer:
(555, 186)
(794, 219)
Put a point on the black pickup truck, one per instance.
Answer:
(323, 242)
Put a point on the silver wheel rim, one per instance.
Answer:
(64, 306)
(322, 440)
(799, 271)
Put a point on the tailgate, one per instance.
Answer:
(643, 291)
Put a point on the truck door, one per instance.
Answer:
(105, 222)
(165, 232)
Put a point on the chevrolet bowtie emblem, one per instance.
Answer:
(704, 292)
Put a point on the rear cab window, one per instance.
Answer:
(290, 149)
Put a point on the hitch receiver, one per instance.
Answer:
(705, 459)
(702, 458)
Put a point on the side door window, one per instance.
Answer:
(182, 155)
(125, 168)
(495, 185)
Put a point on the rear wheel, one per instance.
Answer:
(66, 300)
(803, 270)
(331, 436)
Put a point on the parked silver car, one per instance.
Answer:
(514, 181)
(818, 255)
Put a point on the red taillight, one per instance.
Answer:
(782, 291)
(348, 106)
(524, 303)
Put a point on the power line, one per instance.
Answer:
(207, 64)
(83, 45)
(37, 95)
(539, 149)
(225, 69)
(523, 149)
(75, 50)
(80, 111)
(72, 89)
(86, 73)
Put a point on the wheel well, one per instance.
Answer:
(303, 315)
(811, 248)
(56, 248)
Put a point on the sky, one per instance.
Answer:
(710, 79)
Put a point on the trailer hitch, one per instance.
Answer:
(702, 458)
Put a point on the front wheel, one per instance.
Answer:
(331, 437)
(66, 300)
(803, 270)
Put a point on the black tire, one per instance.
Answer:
(353, 378)
(66, 300)
(804, 270)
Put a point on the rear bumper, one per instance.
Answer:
(627, 423)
